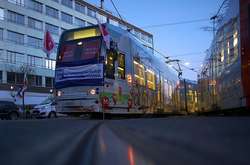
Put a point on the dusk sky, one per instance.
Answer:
(186, 42)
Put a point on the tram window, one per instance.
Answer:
(81, 34)
(110, 66)
(150, 79)
(139, 73)
(80, 50)
(121, 66)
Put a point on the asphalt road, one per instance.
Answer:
(174, 140)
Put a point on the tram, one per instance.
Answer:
(127, 78)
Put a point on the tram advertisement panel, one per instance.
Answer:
(85, 75)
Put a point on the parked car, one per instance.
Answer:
(9, 110)
(46, 109)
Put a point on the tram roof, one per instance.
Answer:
(157, 61)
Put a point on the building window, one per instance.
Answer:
(101, 18)
(79, 22)
(14, 57)
(52, 12)
(32, 80)
(67, 3)
(15, 17)
(31, 60)
(35, 61)
(91, 13)
(35, 42)
(39, 81)
(67, 18)
(1, 76)
(49, 81)
(36, 6)
(50, 64)
(2, 56)
(15, 37)
(52, 28)
(19, 78)
(20, 58)
(121, 66)
(11, 77)
(35, 24)
(80, 8)
(1, 14)
(235, 39)
(17, 2)
(1, 34)
(39, 62)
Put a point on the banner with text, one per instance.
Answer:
(86, 75)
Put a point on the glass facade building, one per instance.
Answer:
(224, 78)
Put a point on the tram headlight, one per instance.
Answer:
(59, 93)
(92, 91)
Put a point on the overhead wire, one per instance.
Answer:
(163, 55)
(221, 7)
(186, 54)
(116, 9)
(176, 23)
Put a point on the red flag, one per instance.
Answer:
(48, 43)
(105, 33)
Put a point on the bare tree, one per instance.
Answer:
(26, 70)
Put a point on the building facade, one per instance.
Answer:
(22, 27)
(224, 79)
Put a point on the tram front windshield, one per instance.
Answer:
(82, 50)
(79, 61)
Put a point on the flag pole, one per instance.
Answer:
(23, 92)
(23, 105)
